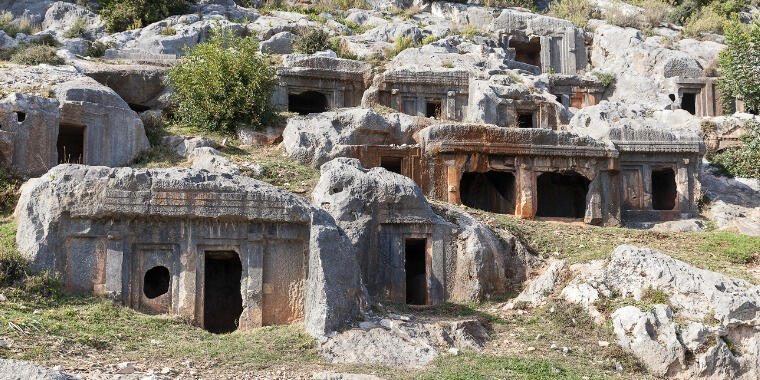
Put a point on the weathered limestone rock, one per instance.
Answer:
(185, 145)
(697, 296)
(280, 43)
(334, 294)
(32, 9)
(403, 344)
(389, 222)
(210, 159)
(92, 124)
(139, 85)
(537, 291)
(651, 337)
(734, 203)
(18, 369)
(125, 227)
(61, 16)
(317, 138)
(647, 69)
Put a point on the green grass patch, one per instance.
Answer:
(719, 251)
(478, 366)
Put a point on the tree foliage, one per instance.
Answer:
(739, 65)
(222, 83)
(745, 160)
(121, 15)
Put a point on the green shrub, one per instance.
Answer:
(45, 284)
(607, 79)
(655, 12)
(527, 4)
(168, 31)
(222, 83)
(707, 20)
(121, 15)
(340, 47)
(10, 183)
(400, 44)
(97, 49)
(79, 28)
(654, 296)
(13, 266)
(310, 42)
(576, 11)
(743, 161)
(738, 63)
(13, 27)
(36, 54)
(45, 40)
(343, 4)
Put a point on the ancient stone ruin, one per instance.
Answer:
(317, 84)
(80, 121)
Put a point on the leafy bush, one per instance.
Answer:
(340, 47)
(10, 183)
(33, 55)
(655, 12)
(13, 27)
(738, 63)
(654, 296)
(121, 15)
(222, 83)
(528, 4)
(310, 42)
(168, 31)
(97, 49)
(13, 266)
(745, 160)
(400, 44)
(343, 4)
(607, 79)
(616, 16)
(79, 28)
(576, 11)
(707, 20)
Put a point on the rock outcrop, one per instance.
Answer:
(713, 311)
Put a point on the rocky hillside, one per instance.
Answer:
(364, 189)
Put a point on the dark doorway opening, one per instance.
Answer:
(415, 266)
(20, 116)
(70, 144)
(156, 282)
(222, 302)
(562, 195)
(525, 120)
(391, 164)
(307, 102)
(689, 102)
(527, 51)
(664, 189)
(491, 191)
(138, 107)
(433, 109)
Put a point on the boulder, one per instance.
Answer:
(698, 297)
(317, 138)
(403, 344)
(19, 369)
(733, 203)
(210, 159)
(651, 337)
(280, 43)
(185, 145)
(61, 16)
(537, 291)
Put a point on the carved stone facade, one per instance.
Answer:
(226, 252)
(636, 177)
(698, 96)
(317, 84)
(545, 44)
(87, 123)
(440, 94)
(576, 92)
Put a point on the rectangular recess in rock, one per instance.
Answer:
(71, 143)
(415, 266)
(222, 301)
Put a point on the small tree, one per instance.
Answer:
(312, 41)
(121, 15)
(739, 66)
(222, 83)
